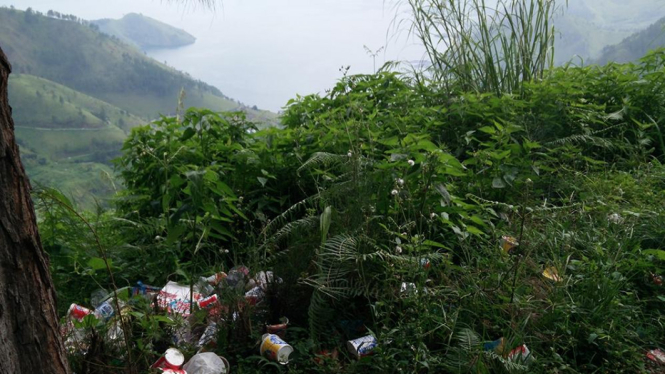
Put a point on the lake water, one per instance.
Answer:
(264, 52)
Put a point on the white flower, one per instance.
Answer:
(432, 215)
(394, 192)
(411, 162)
(350, 154)
(615, 218)
(398, 249)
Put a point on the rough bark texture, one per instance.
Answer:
(29, 338)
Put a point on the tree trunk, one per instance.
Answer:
(30, 340)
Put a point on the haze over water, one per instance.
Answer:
(263, 52)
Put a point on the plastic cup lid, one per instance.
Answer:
(174, 357)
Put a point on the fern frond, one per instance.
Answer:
(468, 339)
(324, 159)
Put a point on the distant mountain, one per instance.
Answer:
(76, 55)
(144, 32)
(635, 46)
(76, 92)
(585, 27)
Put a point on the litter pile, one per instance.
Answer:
(195, 313)
(178, 304)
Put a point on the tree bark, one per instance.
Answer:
(30, 340)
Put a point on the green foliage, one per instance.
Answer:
(382, 206)
(477, 48)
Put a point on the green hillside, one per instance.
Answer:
(58, 123)
(145, 32)
(585, 27)
(67, 138)
(636, 45)
(40, 103)
(102, 66)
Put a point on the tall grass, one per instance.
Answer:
(478, 47)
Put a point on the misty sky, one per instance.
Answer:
(264, 52)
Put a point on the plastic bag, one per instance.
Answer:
(206, 363)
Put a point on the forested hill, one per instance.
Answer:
(636, 45)
(145, 32)
(585, 27)
(77, 55)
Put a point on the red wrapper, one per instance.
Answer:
(78, 312)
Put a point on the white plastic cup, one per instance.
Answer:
(275, 348)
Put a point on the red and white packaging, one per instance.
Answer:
(209, 302)
(175, 299)
(171, 360)
(520, 354)
(254, 296)
(214, 279)
(657, 356)
(78, 312)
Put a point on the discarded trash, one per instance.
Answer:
(207, 363)
(78, 312)
(408, 288)
(208, 302)
(105, 310)
(279, 329)
(508, 243)
(236, 277)
(552, 274)
(264, 278)
(425, 263)
(520, 354)
(214, 279)
(273, 347)
(496, 346)
(175, 298)
(172, 359)
(208, 337)
(254, 296)
(657, 279)
(657, 356)
(144, 290)
(362, 347)
(98, 297)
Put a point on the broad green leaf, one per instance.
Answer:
(97, 263)
(658, 253)
(498, 183)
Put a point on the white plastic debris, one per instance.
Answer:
(206, 363)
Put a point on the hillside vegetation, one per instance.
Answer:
(585, 27)
(145, 32)
(40, 103)
(437, 221)
(636, 45)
